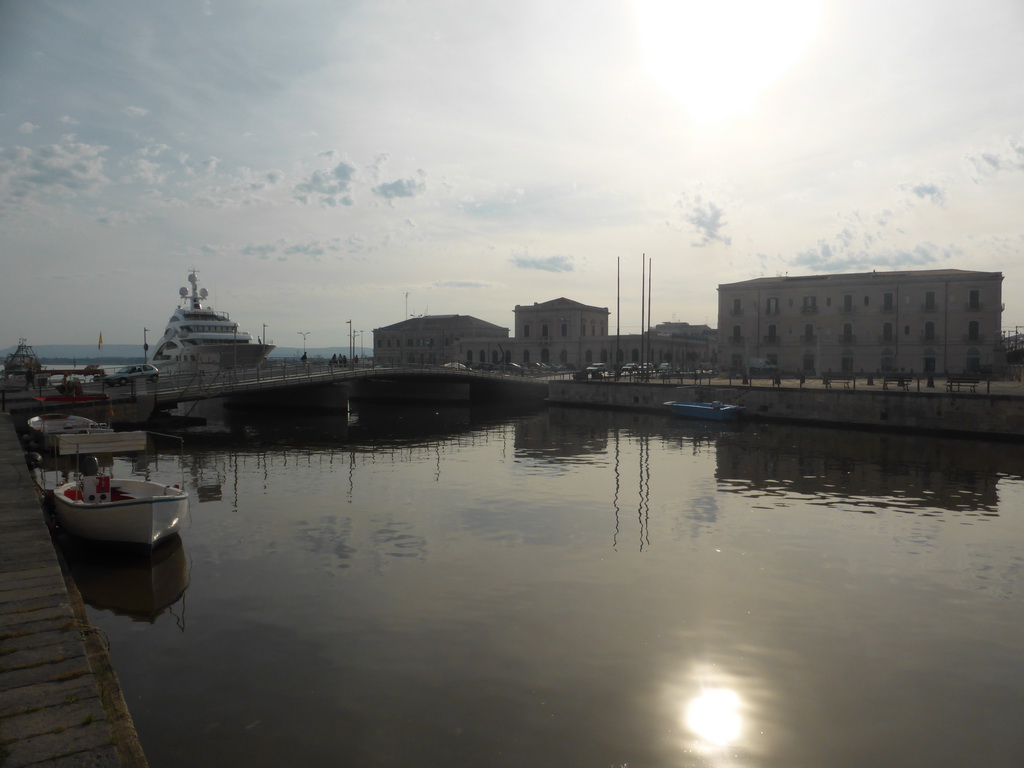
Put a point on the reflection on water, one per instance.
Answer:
(567, 587)
(130, 581)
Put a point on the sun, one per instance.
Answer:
(716, 57)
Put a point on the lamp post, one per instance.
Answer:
(303, 334)
(145, 345)
(263, 340)
(350, 351)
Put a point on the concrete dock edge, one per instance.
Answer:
(61, 705)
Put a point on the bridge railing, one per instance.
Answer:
(281, 373)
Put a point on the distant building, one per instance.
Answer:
(941, 320)
(560, 331)
(433, 339)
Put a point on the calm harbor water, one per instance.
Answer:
(441, 587)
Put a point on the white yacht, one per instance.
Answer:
(199, 337)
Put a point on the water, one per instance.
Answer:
(434, 587)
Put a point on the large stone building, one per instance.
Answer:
(560, 331)
(941, 320)
(433, 339)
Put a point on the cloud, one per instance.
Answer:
(135, 111)
(460, 284)
(1007, 158)
(332, 185)
(263, 251)
(545, 263)
(28, 128)
(931, 192)
(825, 258)
(70, 167)
(707, 219)
(401, 187)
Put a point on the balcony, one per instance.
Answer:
(809, 309)
(736, 312)
(976, 339)
(887, 338)
(734, 340)
(929, 308)
(774, 340)
(975, 306)
(847, 338)
(812, 339)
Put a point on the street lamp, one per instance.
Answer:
(350, 352)
(145, 345)
(303, 334)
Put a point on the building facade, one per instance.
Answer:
(433, 339)
(943, 320)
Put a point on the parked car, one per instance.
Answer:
(122, 376)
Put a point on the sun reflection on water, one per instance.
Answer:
(714, 716)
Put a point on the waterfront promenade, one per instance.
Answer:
(60, 703)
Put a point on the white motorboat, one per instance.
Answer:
(199, 337)
(103, 508)
(46, 427)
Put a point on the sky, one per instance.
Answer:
(326, 161)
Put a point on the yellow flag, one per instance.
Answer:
(99, 347)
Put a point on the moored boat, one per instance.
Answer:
(21, 361)
(713, 411)
(46, 427)
(103, 508)
(199, 337)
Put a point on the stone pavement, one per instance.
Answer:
(60, 702)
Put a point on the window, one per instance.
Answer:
(974, 299)
(808, 333)
(737, 337)
(846, 361)
(972, 331)
(929, 331)
(888, 360)
(886, 331)
(808, 362)
(929, 301)
(526, 331)
(737, 306)
(887, 303)
(773, 306)
(544, 331)
(928, 360)
(847, 333)
(565, 331)
(810, 304)
(848, 303)
(773, 334)
(973, 361)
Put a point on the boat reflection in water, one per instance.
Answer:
(126, 581)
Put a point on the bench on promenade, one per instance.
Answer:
(903, 382)
(846, 378)
(964, 380)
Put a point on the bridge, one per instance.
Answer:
(319, 384)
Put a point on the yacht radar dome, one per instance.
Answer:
(183, 292)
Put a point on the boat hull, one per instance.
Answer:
(705, 411)
(213, 357)
(49, 427)
(131, 512)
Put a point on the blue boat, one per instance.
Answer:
(714, 411)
